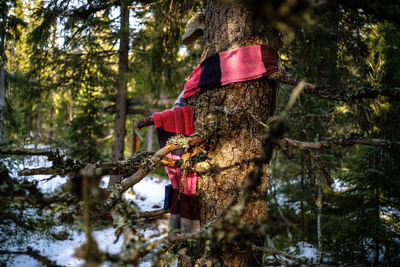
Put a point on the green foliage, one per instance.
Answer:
(344, 49)
(367, 206)
(86, 128)
(9, 23)
(158, 66)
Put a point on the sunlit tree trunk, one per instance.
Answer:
(120, 105)
(37, 128)
(150, 136)
(2, 88)
(230, 26)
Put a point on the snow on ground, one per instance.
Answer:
(339, 186)
(302, 250)
(62, 251)
(305, 250)
(148, 195)
(45, 185)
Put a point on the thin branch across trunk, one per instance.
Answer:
(343, 141)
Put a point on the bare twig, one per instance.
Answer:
(144, 6)
(283, 146)
(148, 121)
(293, 97)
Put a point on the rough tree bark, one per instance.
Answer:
(2, 85)
(230, 26)
(120, 103)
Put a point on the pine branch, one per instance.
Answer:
(349, 95)
(106, 53)
(65, 167)
(30, 152)
(85, 11)
(352, 95)
(343, 141)
(144, 6)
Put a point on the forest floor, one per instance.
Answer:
(58, 241)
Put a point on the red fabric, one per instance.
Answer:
(177, 120)
(241, 64)
(184, 205)
(175, 176)
(237, 65)
(191, 86)
(170, 122)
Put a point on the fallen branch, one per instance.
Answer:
(37, 171)
(275, 252)
(149, 214)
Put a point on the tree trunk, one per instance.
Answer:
(150, 136)
(2, 85)
(377, 230)
(302, 208)
(120, 104)
(230, 26)
(37, 128)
